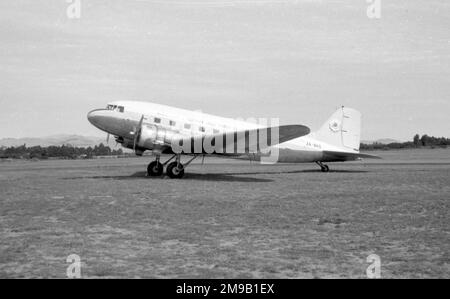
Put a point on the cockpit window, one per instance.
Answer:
(116, 108)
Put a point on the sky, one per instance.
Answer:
(294, 59)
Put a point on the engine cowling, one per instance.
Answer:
(151, 136)
(147, 136)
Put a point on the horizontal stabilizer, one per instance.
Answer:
(344, 156)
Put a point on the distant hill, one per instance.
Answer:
(74, 140)
(381, 141)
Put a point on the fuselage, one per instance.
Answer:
(120, 119)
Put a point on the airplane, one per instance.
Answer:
(162, 129)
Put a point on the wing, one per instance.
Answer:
(345, 156)
(239, 142)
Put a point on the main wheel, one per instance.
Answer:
(155, 169)
(174, 172)
(325, 168)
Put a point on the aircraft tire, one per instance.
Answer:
(325, 168)
(155, 169)
(173, 172)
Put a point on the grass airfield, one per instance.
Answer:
(227, 219)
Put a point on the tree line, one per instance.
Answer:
(417, 142)
(63, 152)
(71, 152)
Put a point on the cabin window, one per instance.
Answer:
(187, 126)
(121, 109)
(172, 123)
(157, 120)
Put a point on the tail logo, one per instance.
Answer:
(335, 125)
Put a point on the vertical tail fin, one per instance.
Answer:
(342, 129)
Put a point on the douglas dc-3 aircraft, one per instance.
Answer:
(162, 129)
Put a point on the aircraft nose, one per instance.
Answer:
(94, 117)
(103, 119)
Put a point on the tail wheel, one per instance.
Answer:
(155, 168)
(175, 170)
(323, 167)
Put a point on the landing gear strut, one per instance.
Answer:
(323, 167)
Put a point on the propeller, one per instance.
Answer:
(107, 138)
(137, 132)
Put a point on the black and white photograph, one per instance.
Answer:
(227, 145)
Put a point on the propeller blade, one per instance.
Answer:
(137, 132)
(107, 138)
(134, 140)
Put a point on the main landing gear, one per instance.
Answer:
(323, 167)
(155, 168)
(174, 170)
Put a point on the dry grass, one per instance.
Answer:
(229, 220)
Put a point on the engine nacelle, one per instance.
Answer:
(147, 137)
(151, 136)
